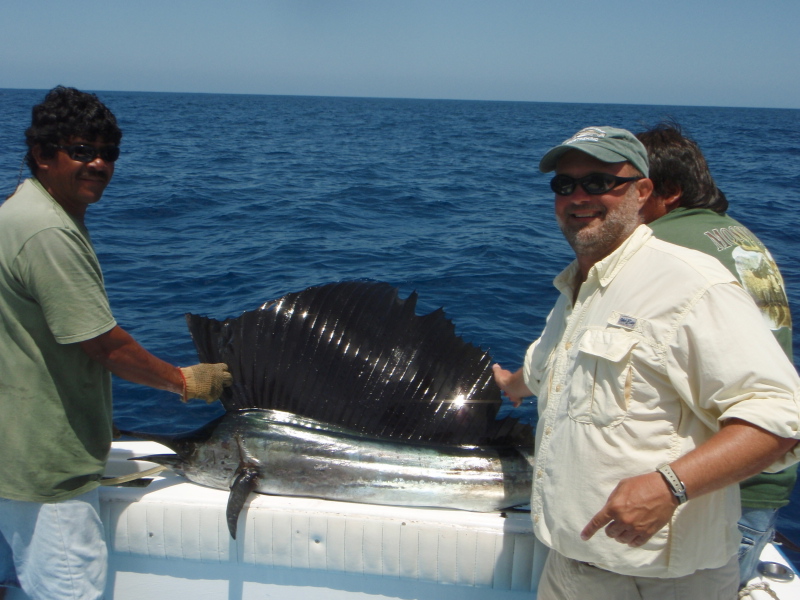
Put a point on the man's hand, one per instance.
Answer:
(205, 381)
(636, 509)
(512, 384)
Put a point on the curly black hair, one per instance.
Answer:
(68, 113)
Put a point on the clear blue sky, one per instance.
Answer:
(686, 52)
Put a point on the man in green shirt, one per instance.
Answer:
(687, 208)
(59, 344)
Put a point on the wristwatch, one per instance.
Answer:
(675, 484)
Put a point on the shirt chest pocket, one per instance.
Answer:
(599, 391)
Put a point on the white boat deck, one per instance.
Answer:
(171, 540)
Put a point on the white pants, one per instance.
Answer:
(54, 551)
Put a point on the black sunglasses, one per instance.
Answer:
(85, 153)
(593, 183)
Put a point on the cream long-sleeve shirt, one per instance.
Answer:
(660, 347)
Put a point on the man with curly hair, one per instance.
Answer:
(59, 344)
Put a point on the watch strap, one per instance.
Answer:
(675, 484)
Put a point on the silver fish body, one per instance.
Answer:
(273, 452)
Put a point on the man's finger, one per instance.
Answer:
(637, 541)
(615, 530)
(624, 536)
(598, 521)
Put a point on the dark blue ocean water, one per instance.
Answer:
(221, 202)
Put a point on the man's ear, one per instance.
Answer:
(673, 200)
(36, 153)
(645, 188)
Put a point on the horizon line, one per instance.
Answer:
(411, 98)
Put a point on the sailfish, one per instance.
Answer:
(342, 392)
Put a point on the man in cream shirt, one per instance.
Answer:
(645, 425)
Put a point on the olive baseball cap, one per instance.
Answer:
(606, 144)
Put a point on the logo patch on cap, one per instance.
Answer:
(588, 134)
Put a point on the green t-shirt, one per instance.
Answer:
(55, 402)
(749, 260)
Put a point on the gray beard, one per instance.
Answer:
(599, 243)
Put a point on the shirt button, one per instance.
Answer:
(558, 387)
(568, 345)
(539, 473)
(535, 518)
(548, 430)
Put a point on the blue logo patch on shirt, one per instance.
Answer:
(626, 322)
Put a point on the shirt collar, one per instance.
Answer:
(606, 269)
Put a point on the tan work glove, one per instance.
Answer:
(205, 381)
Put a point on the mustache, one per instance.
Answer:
(93, 173)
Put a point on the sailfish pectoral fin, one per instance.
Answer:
(245, 483)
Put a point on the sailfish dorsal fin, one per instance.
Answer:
(356, 355)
